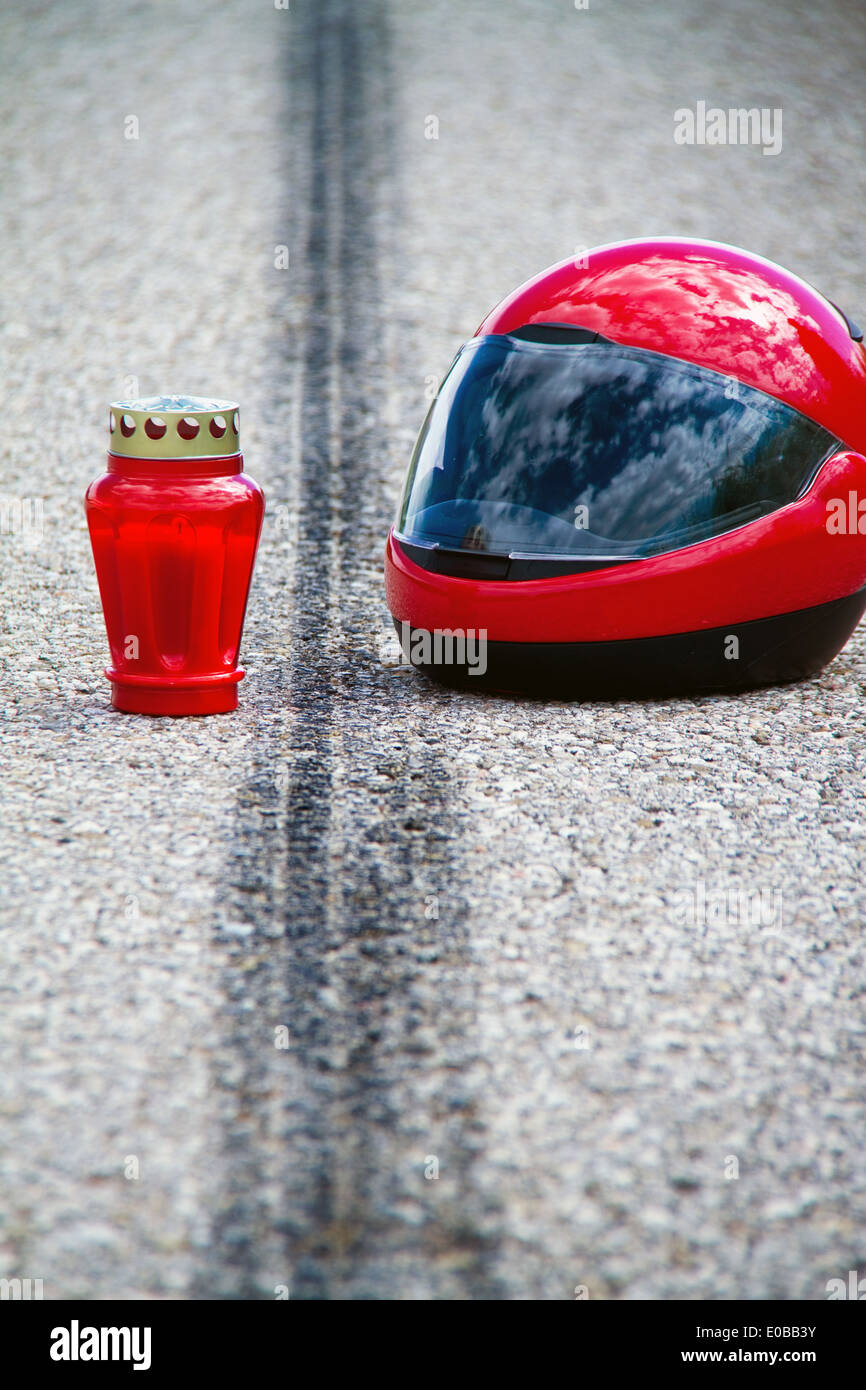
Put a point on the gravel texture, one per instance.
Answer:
(518, 1066)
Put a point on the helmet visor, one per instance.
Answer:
(595, 451)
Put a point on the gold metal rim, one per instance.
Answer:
(173, 427)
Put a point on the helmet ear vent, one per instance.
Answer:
(557, 333)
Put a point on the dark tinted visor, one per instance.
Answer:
(597, 452)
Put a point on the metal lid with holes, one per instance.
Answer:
(173, 427)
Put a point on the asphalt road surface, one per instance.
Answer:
(517, 1067)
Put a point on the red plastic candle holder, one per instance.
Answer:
(174, 526)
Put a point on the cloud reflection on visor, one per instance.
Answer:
(598, 449)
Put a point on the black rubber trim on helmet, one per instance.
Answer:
(472, 564)
(554, 333)
(771, 651)
(854, 329)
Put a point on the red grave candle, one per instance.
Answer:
(174, 525)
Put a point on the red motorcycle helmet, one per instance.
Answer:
(642, 475)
